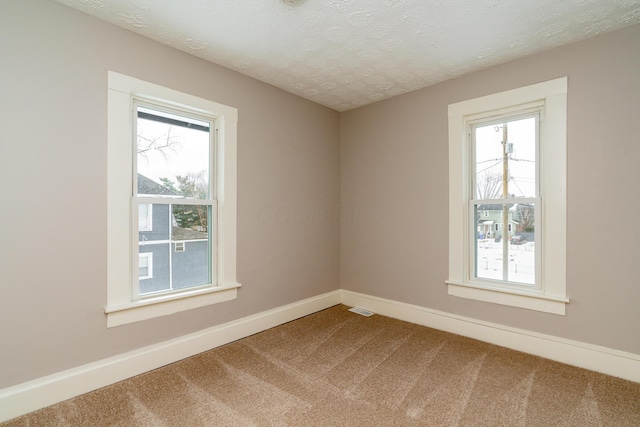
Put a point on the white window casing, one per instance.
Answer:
(122, 306)
(549, 295)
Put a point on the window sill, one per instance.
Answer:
(515, 298)
(169, 304)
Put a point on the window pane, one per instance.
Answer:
(191, 229)
(159, 281)
(173, 152)
(510, 255)
(181, 244)
(506, 170)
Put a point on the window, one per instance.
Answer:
(145, 265)
(145, 217)
(172, 165)
(507, 159)
(174, 172)
(504, 174)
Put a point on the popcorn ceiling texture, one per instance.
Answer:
(348, 53)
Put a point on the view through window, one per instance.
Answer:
(506, 195)
(173, 183)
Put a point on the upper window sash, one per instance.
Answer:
(488, 163)
(155, 111)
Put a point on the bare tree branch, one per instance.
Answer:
(162, 143)
(489, 185)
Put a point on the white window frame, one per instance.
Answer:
(550, 294)
(149, 257)
(122, 306)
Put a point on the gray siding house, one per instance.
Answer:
(170, 257)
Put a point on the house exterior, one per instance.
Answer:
(490, 221)
(170, 257)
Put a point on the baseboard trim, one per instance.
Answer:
(596, 358)
(30, 396)
(39, 393)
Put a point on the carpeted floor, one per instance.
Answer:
(337, 368)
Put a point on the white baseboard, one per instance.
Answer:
(595, 358)
(30, 396)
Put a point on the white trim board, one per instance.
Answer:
(588, 356)
(39, 393)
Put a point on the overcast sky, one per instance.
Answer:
(488, 146)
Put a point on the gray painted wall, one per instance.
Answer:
(53, 163)
(394, 160)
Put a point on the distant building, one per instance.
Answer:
(170, 257)
(490, 222)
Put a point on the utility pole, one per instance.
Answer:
(505, 208)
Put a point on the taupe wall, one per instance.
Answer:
(394, 162)
(383, 166)
(53, 171)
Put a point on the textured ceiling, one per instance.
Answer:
(349, 53)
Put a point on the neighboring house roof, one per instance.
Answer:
(179, 233)
(149, 186)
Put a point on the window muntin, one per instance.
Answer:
(504, 176)
(174, 164)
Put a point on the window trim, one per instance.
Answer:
(121, 306)
(551, 296)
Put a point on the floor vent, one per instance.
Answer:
(361, 311)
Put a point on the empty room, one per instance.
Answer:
(349, 212)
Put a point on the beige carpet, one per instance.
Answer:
(337, 368)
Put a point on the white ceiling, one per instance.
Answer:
(349, 53)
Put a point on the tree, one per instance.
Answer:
(192, 185)
(489, 185)
(163, 143)
(169, 184)
(525, 217)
